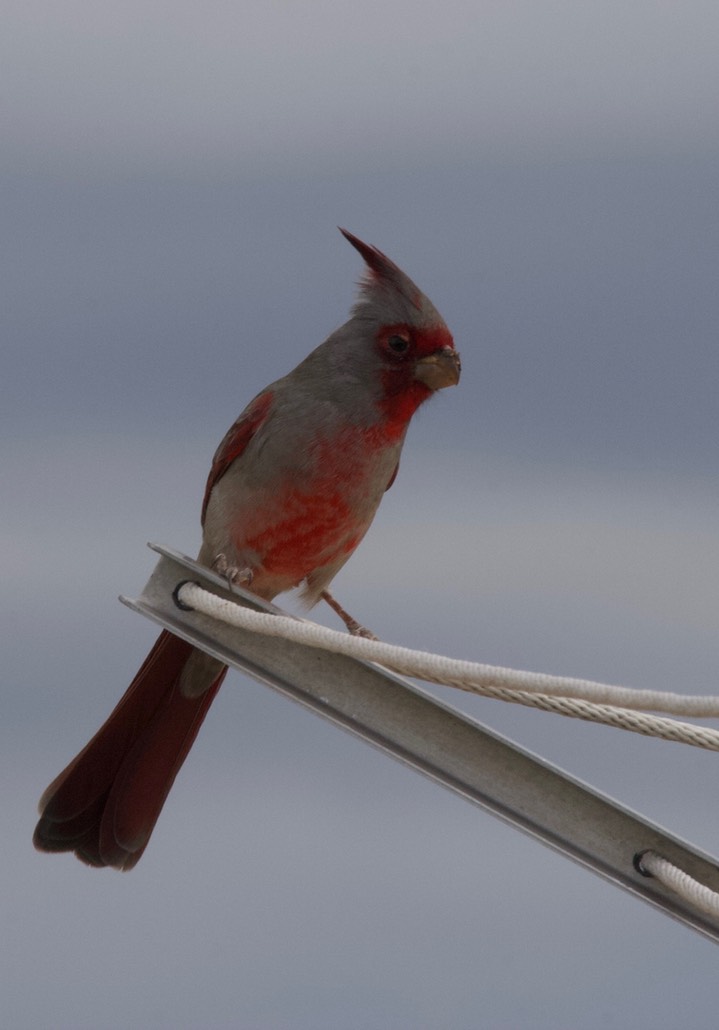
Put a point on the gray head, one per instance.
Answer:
(393, 352)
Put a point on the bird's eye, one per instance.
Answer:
(398, 344)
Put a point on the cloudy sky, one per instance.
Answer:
(172, 179)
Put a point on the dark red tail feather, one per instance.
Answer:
(105, 804)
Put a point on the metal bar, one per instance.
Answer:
(449, 747)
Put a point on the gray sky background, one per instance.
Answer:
(171, 182)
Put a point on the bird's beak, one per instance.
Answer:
(439, 369)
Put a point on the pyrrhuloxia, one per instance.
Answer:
(292, 490)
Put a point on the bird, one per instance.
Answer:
(292, 490)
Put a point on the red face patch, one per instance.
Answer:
(401, 346)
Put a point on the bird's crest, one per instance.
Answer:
(386, 285)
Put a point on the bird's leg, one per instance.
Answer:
(234, 575)
(355, 628)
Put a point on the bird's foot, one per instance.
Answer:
(234, 575)
(354, 627)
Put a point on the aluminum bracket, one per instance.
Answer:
(439, 741)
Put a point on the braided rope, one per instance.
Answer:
(674, 879)
(576, 698)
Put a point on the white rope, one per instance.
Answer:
(681, 883)
(576, 698)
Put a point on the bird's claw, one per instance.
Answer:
(358, 630)
(234, 575)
